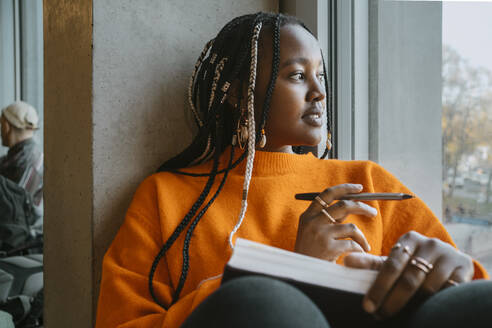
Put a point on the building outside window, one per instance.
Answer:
(467, 126)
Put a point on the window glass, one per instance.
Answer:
(467, 126)
(21, 162)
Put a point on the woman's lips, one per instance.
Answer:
(313, 119)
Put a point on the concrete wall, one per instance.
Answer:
(113, 115)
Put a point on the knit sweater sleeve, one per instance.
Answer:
(400, 217)
(124, 298)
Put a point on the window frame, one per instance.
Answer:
(368, 95)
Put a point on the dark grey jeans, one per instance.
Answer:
(255, 301)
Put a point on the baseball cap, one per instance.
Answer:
(21, 115)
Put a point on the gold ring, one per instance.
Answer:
(321, 202)
(421, 264)
(328, 215)
(396, 246)
(407, 250)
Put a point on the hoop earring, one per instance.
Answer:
(242, 129)
(234, 135)
(263, 139)
(328, 141)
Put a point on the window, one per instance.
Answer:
(21, 56)
(467, 126)
(413, 89)
(21, 78)
(386, 73)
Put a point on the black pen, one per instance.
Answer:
(361, 196)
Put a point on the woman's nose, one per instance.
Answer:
(317, 90)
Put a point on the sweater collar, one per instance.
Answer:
(265, 163)
(271, 163)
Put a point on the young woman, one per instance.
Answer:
(258, 92)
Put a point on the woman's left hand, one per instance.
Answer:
(416, 262)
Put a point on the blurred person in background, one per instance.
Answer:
(23, 163)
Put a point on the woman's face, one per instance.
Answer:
(298, 99)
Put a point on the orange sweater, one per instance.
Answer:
(163, 199)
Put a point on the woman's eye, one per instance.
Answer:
(321, 76)
(297, 76)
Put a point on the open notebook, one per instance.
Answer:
(271, 261)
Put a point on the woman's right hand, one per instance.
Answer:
(320, 236)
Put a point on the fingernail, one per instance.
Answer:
(371, 209)
(368, 247)
(369, 306)
(358, 186)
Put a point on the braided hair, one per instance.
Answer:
(230, 56)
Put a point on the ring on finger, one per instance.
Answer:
(406, 248)
(421, 264)
(325, 212)
(321, 202)
(396, 246)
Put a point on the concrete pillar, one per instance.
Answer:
(68, 183)
(116, 73)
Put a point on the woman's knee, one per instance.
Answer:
(259, 301)
(466, 305)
